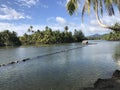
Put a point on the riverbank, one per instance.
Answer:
(112, 83)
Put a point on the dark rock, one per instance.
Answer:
(116, 74)
(3, 65)
(104, 83)
(12, 62)
(107, 84)
(25, 59)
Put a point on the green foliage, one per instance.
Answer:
(78, 36)
(9, 38)
(113, 36)
(98, 6)
(116, 27)
(48, 36)
(73, 5)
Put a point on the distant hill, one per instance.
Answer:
(95, 35)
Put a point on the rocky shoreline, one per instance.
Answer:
(112, 83)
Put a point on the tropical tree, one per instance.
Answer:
(78, 35)
(30, 29)
(9, 38)
(66, 29)
(98, 7)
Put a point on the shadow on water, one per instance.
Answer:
(116, 54)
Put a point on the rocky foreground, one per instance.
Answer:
(112, 83)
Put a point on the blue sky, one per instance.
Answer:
(18, 15)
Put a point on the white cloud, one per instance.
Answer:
(88, 29)
(50, 20)
(61, 20)
(8, 13)
(111, 20)
(58, 23)
(94, 27)
(27, 3)
(30, 3)
(22, 28)
(61, 3)
(108, 20)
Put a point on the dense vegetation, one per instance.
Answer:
(8, 38)
(46, 36)
(113, 36)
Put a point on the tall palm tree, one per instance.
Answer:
(46, 28)
(66, 29)
(98, 6)
(30, 29)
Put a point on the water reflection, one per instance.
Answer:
(116, 54)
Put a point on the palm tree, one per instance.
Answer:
(66, 29)
(98, 6)
(46, 28)
(30, 29)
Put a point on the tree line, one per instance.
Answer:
(113, 36)
(8, 38)
(46, 36)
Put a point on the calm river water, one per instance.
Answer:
(68, 70)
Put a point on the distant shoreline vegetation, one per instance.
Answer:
(112, 36)
(48, 36)
(40, 37)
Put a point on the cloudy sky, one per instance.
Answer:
(18, 15)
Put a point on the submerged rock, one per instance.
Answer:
(12, 62)
(3, 65)
(25, 59)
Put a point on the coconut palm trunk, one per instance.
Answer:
(98, 18)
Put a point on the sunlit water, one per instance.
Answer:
(68, 70)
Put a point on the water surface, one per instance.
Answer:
(68, 70)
